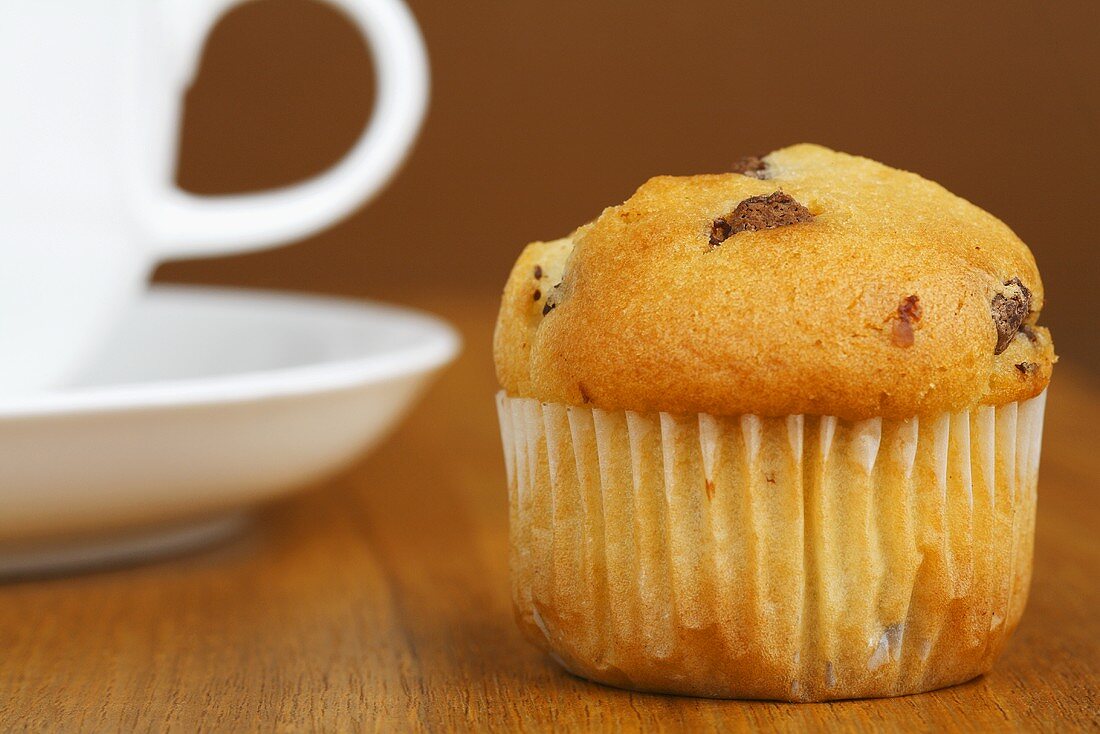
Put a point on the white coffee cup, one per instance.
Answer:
(90, 96)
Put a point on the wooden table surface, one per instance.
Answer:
(380, 601)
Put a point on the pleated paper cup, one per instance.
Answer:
(800, 558)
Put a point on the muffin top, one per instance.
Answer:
(807, 282)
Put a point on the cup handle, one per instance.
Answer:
(186, 225)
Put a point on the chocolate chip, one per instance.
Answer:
(538, 272)
(1009, 309)
(759, 212)
(908, 315)
(1029, 332)
(751, 165)
(550, 306)
(1027, 369)
(720, 231)
(910, 309)
(538, 294)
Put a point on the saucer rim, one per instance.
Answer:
(438, 344)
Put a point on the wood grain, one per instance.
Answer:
(380, 602)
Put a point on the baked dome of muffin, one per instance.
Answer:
(811, 282)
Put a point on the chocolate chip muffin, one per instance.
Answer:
(774, 433)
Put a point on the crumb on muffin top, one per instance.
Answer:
(805, 282)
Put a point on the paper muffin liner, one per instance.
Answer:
(796, 558)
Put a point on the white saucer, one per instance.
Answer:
(204, 403)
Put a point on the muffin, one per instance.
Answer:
(774, 433)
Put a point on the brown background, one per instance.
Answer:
(382, 602)
(543, 113)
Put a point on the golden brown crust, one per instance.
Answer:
(881, 305)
